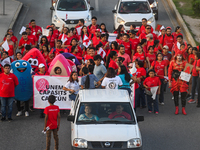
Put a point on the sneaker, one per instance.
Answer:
(26, 114)
(9, 119)
(156, 113)
(172, 97)
(188, 96)
(19, 113)
(191, 101)
(3, 119)
(162, 103)
(150, 112)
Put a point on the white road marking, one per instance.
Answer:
(96, 5)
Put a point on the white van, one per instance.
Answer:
(104, 119)
(69, 12)
(128, 12)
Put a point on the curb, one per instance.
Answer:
(16, 15)
(181, 22)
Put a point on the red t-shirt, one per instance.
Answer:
(51, 40)
(139, 73)
(128, 47)
(135, 43)
(175, 35)
(13, 38)
(113, 64)
(119, 41)
(143, 36)
(140, 57)
(52, 113)
(159, 68)
(10, 51)
(35, 30)
(142, 30)
(167, 40)
(33, 38)
(111, 50)
(151, 82)
(95, 41)
(122, 115)
(79, 50)
(107, 47)
(56, 33)
(152, 57)
(87, 57)
(27, 42)
(167, 58)
(191, 56)
(8, 84)
(45, 73)
(194, 71)
(56, 51)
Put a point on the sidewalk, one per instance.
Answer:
(12, 10)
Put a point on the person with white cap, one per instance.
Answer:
(150, 40)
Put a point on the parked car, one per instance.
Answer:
(128, 12)
(154, 7)
(69, 12)
(104, 119)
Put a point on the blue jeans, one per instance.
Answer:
(155, 103)
(6, 102)
(139, 97)
(128, 89)
(195, 85)
(72, 97)
(161, 96)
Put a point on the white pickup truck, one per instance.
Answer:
(104, 119)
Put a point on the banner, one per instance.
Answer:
(43, 86)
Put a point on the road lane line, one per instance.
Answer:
(96, 5)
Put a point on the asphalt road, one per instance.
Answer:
(165, 131)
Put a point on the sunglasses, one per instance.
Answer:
(148, 28)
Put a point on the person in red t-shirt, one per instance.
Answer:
(51, 38)
(126, 57)
(119, 113)
(167, 39)
(105, 43)
(31, 37)
(74, 51)
(142, 28)
(113, 47)
(25, 41)
(135, 41)
(56, 32)
(51, 122)
(35, 30)
(8, 82)
(56, 51)
(160, 68)
(92, 27)
(177, 32)
(96, 38)
(147, 31)
(129, 48)
(11, 51)
(91, 54)
(13, 38)
(139, 92)
(151, 56)
(111, 60)
(166, 56)
(74, 42)
(191, 56)
(45, 52)
(120, 30)
(69, 38)
(149, 82)
(195, 76)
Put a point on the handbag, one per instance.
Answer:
(175, 74)
(148, 92)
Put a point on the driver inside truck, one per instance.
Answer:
(88, 115)
(119, 113)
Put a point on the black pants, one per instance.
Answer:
(183, 98)
(26, 105)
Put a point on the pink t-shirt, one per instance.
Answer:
(126, 57)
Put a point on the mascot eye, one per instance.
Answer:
(17, 64)
(35, 62)
(30, 61)
(24, 64)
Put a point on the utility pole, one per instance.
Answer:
(3, 7)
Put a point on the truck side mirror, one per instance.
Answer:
(114, 11)
(91, 8)
(70, 118)
(52, 8)
(140, 118)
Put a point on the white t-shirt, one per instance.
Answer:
(73, 86)
(112, 83)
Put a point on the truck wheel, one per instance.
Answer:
(156, 16)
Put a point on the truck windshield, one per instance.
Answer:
(105, 113)
(134, 7)
(72, 5)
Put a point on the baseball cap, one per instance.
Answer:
(165, 47)
(169, 28)
(98, 30)
(149, 35)
(41, 65)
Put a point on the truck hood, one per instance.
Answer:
(135, 17)
(108, 132)
(72, 15)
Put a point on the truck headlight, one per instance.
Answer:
(121, 21)
(134, 143)
(80, 143)
(55, 19)
(154, 4)
(150, 20)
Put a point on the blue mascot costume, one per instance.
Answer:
(24, 91)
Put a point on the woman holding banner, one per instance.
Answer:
(72, 85)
